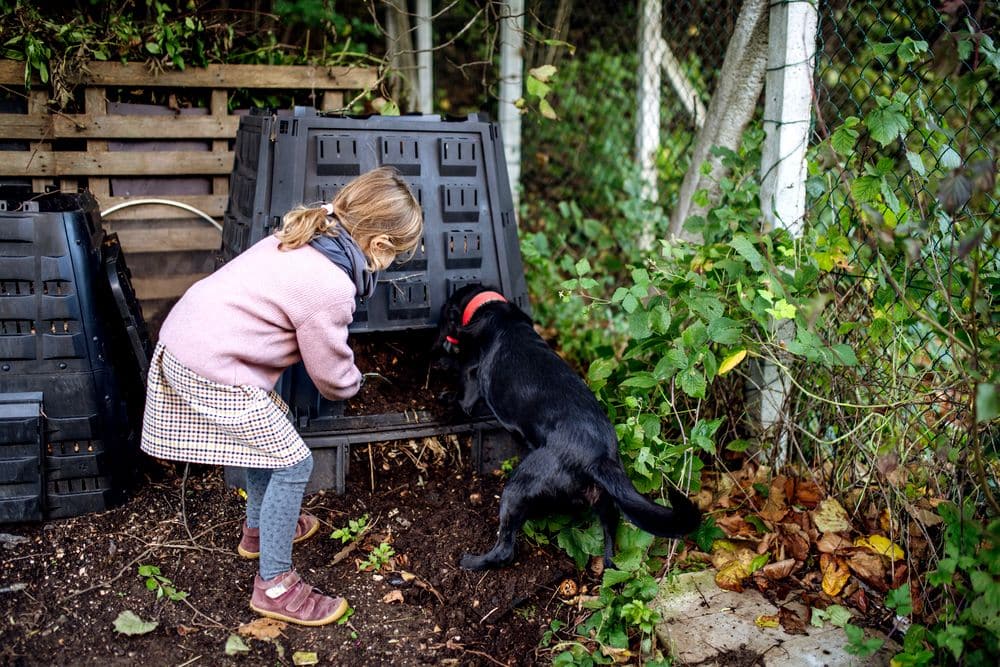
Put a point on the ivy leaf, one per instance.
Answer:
(724, 330)
(843, 140)
(706, 534)
(582, 544)
(899, 600)
(858, 645)
(640, 380)
(843, 355)
(782, 310)
(866, 189)
(887, 122)
(127, 623)
(693, 382)
(885, 49)
(916, 163)
(659, 318)
(638, 325)
(601, 369)
(911, 49)
(742, 245)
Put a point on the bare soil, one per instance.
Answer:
(63, 587)
(63, 583)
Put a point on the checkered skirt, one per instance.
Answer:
(191, 418)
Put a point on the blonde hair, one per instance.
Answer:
(376, 202)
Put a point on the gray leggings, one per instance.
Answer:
(274, 500)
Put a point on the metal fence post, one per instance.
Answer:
(425, 71)
(788, 87)
(647, 136)
(511, 85)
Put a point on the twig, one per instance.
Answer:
(187, 467)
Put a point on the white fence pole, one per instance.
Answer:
(425, 71)
(511, 86)
(647, 136)
(788, 90)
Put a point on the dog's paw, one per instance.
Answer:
(448, 397)
(472, 562)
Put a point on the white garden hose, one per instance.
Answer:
(162, 202)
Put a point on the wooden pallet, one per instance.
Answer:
(155, 238)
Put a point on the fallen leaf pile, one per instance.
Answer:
(786, 537)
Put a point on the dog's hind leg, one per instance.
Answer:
(528, 490)
(609, 515)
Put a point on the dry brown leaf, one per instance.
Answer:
(927, 517)
(794, 541)
(791, 622)
(775, 508)
(835, 574)
(779, 570)
(730, 576)
(807, 493)
(869, 567)
(262, 628)
(736, 526)
(831, 517)
(831, 542)
(393, 596)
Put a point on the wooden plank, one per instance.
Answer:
(96, 104)
(114, 163)
(166, 287)
(220, 109)
(83, 126)
(331, 101)
(170, 240)
(213, 205)
(37, 106)
(286, 77)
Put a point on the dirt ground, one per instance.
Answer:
(66, 582)
(63, 583)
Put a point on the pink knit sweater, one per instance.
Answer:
(263, 311)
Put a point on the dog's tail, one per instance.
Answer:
(675, 521)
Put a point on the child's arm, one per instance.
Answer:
(328, 358)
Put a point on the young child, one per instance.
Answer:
(288, 298)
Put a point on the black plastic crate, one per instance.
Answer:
(21, 444)
(455, 167)
(62, 334)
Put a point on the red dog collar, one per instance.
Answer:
(477, 301)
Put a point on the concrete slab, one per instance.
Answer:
(707, 626)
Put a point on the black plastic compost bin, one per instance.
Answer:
(73, 355)
(457, 171)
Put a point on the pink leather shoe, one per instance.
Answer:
(250, 543)
(288, 598)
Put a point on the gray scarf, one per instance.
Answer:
(344, 251)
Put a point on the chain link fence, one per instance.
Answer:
(934, 187)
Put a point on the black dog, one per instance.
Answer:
(535, 394)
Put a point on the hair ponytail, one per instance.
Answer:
(302, 224)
